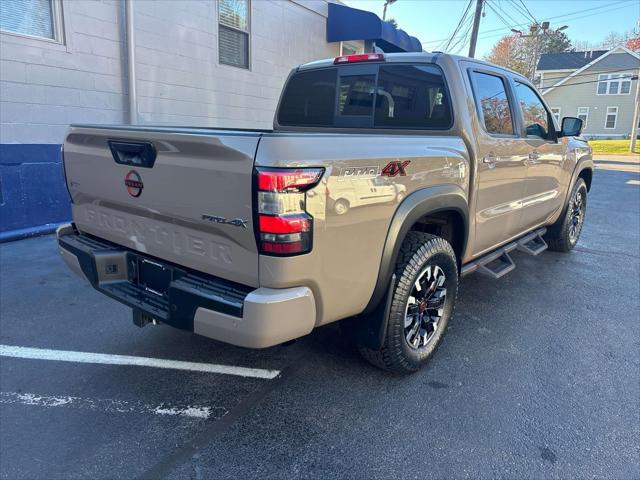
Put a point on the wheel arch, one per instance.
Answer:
(442, 201)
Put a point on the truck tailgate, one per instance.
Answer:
(192, 206)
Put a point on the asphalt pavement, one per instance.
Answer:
(537, 377)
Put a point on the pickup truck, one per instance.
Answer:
(247, 236)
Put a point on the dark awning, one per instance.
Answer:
(345, 23)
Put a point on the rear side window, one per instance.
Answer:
(309, 99)
(388, 96)
(412, 96)
(492, 102)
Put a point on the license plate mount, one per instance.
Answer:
(154, 277)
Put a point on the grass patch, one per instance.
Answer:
(613, 147)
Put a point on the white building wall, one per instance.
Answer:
(45, 86)
(180, 81)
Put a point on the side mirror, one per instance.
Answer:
(571, 127)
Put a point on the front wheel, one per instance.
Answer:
(564, 234)
(421, 306)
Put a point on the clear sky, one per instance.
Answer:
(433, 21)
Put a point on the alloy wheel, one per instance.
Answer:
(576, 221)
(425, 307)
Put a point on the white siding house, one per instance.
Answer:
(598, 86)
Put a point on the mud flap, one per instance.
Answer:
(370, 330)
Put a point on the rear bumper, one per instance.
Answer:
(206, 305)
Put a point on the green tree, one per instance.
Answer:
(555, 41)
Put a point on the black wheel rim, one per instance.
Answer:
(577, 215)
(425, 307)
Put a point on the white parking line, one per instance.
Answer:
(109, 405)
(88, 357)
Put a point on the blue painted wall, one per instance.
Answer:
(33, 196)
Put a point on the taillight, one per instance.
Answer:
(284, 226)
(361, 57)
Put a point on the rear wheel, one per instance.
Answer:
(421, 306)
(564, 234)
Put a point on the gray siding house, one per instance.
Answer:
(595, 85)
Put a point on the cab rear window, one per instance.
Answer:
(385, 96)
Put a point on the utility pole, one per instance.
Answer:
(536, 31)
(384, 10)
(476, 27)
(636, 117)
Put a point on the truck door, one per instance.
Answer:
(501, 161)
(545, 158)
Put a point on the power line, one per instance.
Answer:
(635, 77)
(563, 16)
(462, 19)
(528, 11)
(500, 17)
(599, 72)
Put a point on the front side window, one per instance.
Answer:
(612, 117)
(583, 114)
(492, 101)
(536, 118)
(35, 18)
(385, 96)
(614, 84)
(233, 32)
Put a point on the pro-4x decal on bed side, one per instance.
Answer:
(396, 168)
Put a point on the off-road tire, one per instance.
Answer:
(558, 236)
(418, 251)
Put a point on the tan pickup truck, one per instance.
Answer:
(385, 178)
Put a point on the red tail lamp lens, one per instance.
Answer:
(284, 226)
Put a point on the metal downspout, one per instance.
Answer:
(131, 62)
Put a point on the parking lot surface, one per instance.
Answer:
(538, 376)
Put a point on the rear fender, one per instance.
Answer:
(417, 205)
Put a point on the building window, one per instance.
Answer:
(350, 49)
(583, 114)
(612, 117)
(614, 84)
(32, 18)
(555, 111)
(233, 32)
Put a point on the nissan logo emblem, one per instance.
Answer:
(134, 184)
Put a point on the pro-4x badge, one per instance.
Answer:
(236, 222)
(395, 168)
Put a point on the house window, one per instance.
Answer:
(583, 114)
(555, 111)
(614, 84)
(233, 32)
(31, 18)
(612, 117)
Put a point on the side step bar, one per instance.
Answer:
(498, 263)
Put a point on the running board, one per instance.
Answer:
(533, 244)
(498, 263)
